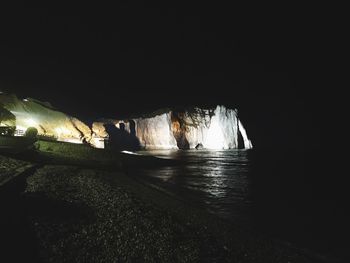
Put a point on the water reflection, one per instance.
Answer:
(216, 180)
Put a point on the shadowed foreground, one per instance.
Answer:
(73, 213)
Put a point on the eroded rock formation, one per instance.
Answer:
(191, 128)
(217, 128)
(49, 121)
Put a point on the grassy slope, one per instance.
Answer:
(87, 156)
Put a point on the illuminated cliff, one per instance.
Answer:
(49, 121)
(216, 128)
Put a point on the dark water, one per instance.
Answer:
(280, 194)
(218, 181)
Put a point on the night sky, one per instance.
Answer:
(95, 61)
(100, 61)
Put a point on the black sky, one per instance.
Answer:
(98, 61)
(95, 61)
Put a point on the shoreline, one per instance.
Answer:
(92, 215)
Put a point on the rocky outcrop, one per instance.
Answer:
(7, 119)
(48, 121)
(190, 128)
(155, 132)
(217, 128)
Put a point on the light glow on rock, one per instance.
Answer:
(128, 152)
(155, 132)
(247, 143)
(215, 138)
(70, 140)
(31, 122)
(62, 131)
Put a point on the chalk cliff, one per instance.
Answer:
(189, 128)
(49, 121)
(217, 128)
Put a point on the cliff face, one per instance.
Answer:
(217, 128)
(48, 121)
(156, 132)
(210, 128)
(7, 119)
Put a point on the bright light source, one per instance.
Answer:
(25, 100)
(30, 122)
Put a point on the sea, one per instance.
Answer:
(274, 193)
